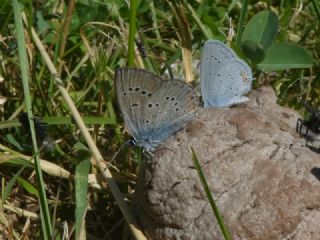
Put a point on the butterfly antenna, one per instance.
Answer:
(118, 151)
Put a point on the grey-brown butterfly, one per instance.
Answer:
(153, 109)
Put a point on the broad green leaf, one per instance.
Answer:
(253, 51)
(284, 56)
(81, 147)
(42, 25)
(261, 29)
(81, 182)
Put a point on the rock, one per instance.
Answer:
(264, 179)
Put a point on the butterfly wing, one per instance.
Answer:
(153, 109)
(229, 84)
(215, 55)
(172, 107)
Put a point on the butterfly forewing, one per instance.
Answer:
(153, 109)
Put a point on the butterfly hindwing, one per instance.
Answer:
(215, 54)
(224, 77)
(229, 84)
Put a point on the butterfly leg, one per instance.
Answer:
(300, 123)
(307, 130)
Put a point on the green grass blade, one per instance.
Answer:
(62, 121)
(28, 186)
(81, 182)
(132, 31)
(316, 6)
(24, 68)
(197, 19)
(8, 188)
(214, 207)
(243, 14)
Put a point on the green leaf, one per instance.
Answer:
(284, 56)
(10, 139)
(223, 227)
(81, 182)
(253, 51)
(17, 161)
(28, 186)
(8, 188)
(211, 17)
(261, 29)
(42, 25)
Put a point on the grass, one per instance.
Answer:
(80, 45)
(24, 68)
(215, 209)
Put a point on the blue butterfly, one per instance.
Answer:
(225, 78)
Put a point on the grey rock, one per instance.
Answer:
(264, 179)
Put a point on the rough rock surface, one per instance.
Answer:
(263, 178)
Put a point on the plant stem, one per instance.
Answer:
(243, 13)
(132, 32)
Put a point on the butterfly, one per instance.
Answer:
(41, 130)
(153, 109)
(224, 77)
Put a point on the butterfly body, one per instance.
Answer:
(225, 78)
(153, 109)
